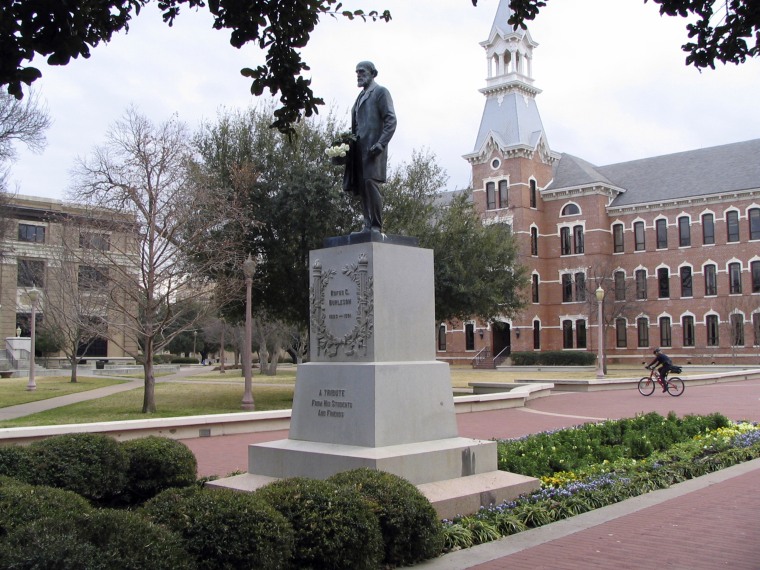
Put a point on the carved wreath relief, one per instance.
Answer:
(342, 308)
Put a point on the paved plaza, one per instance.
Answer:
(706, 523)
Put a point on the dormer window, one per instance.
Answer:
(571, 210)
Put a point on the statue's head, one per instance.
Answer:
(369, 66)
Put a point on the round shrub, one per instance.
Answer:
(14, 461)
(409, 524)
(91, 465)
(334, 526)
(21, 503)
(105, 539)
(224, 529)
(157, 463)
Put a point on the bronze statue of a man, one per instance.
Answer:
(373, 122)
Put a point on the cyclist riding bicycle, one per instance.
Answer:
(665, 365)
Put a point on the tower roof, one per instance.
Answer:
(511, 119)
(510, 116)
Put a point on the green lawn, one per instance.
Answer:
(13, 390)
(206, 393)
(172, 400)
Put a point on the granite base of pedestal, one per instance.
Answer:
(421, 462)
(450, 497)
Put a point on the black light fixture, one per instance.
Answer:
(517, 333)
(480, 331)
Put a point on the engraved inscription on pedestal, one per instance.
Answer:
(342, 308)
(332, 403)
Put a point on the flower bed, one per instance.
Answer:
(600, 472)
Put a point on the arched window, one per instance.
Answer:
(708, 229)
(711, 279)
(619, 285)
(661, 232)
(711, 323)
(469, 336)
(735, 278)
(684, 231)
(642, 332)
(732, 226)
(638, 236)
(753, 215)
(570, 210)
(490, 196)
(641, 284)
(687, 289)
(534, 241)
(687, 324)
(567, 334)
(737, 329)
(533, 193)
(617, 238)
(503, 193)
(621, 337)
(536, 335)
(665, 332)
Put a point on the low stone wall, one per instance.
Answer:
(593, 385)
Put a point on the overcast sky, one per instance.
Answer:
(615, 87)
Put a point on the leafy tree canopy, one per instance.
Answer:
(726, 31)
(65, 30)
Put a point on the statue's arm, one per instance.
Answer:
(388, 115)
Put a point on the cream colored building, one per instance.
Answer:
(60, 249)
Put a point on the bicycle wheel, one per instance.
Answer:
(646, 386)
(675, 386)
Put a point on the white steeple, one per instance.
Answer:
(511, 121)
(509, 54)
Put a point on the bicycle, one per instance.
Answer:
(673, 386)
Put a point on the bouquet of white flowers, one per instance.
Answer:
(338, 152)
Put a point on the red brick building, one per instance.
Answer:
(673, 241)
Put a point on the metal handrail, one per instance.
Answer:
(482, 355)
(501, 357)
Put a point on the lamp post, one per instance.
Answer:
(221, 351)
(600, 356)
(249, 267)
(195, 338)
(33, 296)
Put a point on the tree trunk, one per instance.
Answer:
(274, 358)
(149, 397)
(74, 360)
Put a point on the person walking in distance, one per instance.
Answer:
(373, 122)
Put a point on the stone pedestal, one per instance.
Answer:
(373, 394)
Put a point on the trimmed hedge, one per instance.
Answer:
(14, 461)
(184, 360)
(334, 526)
(92, 465)
(553, 358)
(224, 529)
(105, 539)
(21, 503)
(155, 464)
(409, 524)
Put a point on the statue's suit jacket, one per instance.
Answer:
(373, 120)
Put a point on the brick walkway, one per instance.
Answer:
(709, 522)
